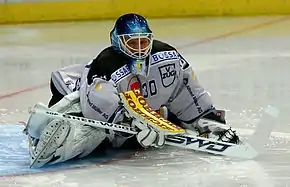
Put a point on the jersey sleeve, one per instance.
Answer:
(98, 94)
(64, 81)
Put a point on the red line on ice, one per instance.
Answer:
(18, 92)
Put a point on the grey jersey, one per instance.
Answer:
(170, 81)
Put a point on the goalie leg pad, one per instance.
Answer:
(37, 122)
(52, 137)
(62, 140)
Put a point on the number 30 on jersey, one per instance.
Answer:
(149, 89)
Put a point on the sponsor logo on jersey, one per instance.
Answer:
(133, 84)
(120, 73)
(193, 96)
(96, 108)
(167, 74)
(164, 55)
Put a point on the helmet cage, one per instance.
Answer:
(139, 51)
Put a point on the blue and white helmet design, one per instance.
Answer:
(132, 36)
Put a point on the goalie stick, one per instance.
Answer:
(184, 140)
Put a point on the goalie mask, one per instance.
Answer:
(132, 36)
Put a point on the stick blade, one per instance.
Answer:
(263, 130)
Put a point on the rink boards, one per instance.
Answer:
(27, 11)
